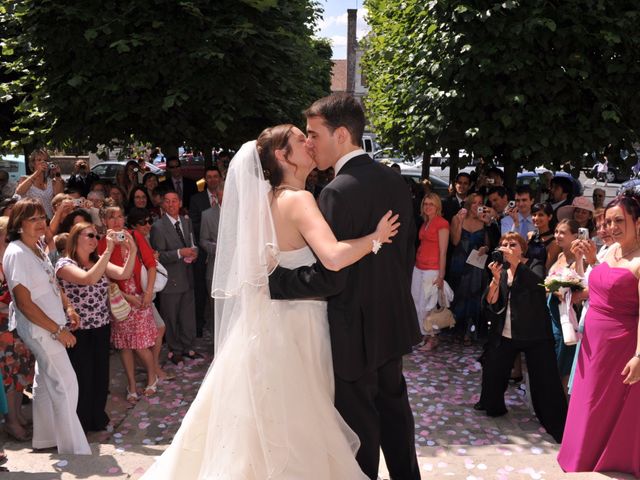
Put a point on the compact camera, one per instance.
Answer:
(511, 205)
(480, 210)
(583, 234)
(78, 202)
(120, 236)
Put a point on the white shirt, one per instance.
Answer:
(343, 160)
(173, 222)
(506, 331)
(23, 267)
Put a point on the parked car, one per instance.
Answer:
(414, 174)
(633, 184)
(532, 179)
(107, 170)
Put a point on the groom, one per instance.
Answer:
(372, 317)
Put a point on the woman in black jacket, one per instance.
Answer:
(515, 306)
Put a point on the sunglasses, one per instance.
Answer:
(145, 221)
(93, 235)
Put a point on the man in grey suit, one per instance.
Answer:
(172, 237)
(208, 242)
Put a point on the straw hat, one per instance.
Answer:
(582, 202)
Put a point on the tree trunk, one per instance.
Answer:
(454, 157)
(511, 168)
(426, 166)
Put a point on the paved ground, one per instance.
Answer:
(454, 441)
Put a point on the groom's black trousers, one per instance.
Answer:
(376, 407)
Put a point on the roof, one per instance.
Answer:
(339, 76)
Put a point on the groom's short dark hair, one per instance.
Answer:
(340, 110)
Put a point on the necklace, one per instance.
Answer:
(47, 266)
(622, 254)
(284, 186)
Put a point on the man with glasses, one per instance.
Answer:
(184, 187)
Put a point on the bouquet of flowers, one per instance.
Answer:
(564, 278)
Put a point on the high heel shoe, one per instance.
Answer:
(152, 389)
(132, 397)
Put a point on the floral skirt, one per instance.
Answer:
(139, 330)
(16, 360)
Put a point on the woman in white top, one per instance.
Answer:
(38, 312)
(43, 183)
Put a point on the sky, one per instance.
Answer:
(334, 24)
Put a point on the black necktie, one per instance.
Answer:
(179, 231)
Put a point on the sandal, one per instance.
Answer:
(132, 397)
(152, 389)
(15, 435)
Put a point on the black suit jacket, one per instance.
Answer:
(372, 317)
(189, 189)
(450, 206)
(198, 204)
(530, 319)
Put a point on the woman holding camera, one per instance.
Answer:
(40, 318)
(43, 183)
(83, 275)
(138, 332)
(467, 234)
(516, 310)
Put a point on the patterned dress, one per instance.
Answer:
(139, 330)
(16, 360)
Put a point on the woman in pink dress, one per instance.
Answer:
(602, 432)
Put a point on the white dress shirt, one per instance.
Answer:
(344, 159)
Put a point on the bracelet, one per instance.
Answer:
(637, 355)
(377, 245)
(56, 334)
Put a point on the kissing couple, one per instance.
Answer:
(313, 315)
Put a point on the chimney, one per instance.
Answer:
(352, 14)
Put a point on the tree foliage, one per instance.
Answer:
(163, 71)
(532, 82)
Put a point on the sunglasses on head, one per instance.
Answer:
(145, 221)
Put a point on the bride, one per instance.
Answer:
(265, 409)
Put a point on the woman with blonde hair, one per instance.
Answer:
(467, 234)
(138, 332)
(431, 260)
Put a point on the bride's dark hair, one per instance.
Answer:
(270, 140)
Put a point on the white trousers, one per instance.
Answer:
(423, 304)
(55, 397)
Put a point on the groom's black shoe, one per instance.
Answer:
(479, 406)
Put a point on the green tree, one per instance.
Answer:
(534, 82)
(162, 71)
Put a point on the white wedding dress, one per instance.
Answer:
(265, 409)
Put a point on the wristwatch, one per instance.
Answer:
(637, 355)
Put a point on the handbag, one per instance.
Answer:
(161, 274)
(120, 308)
(161, 277)
(440, 317)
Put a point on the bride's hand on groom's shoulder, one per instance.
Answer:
(387, 227)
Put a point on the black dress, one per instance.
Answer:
(537, 247)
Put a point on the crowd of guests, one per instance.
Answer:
(583, 392)
(72, 252)
(484, 251)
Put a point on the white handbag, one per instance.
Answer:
(161, 277)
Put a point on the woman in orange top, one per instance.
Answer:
(431, 259)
